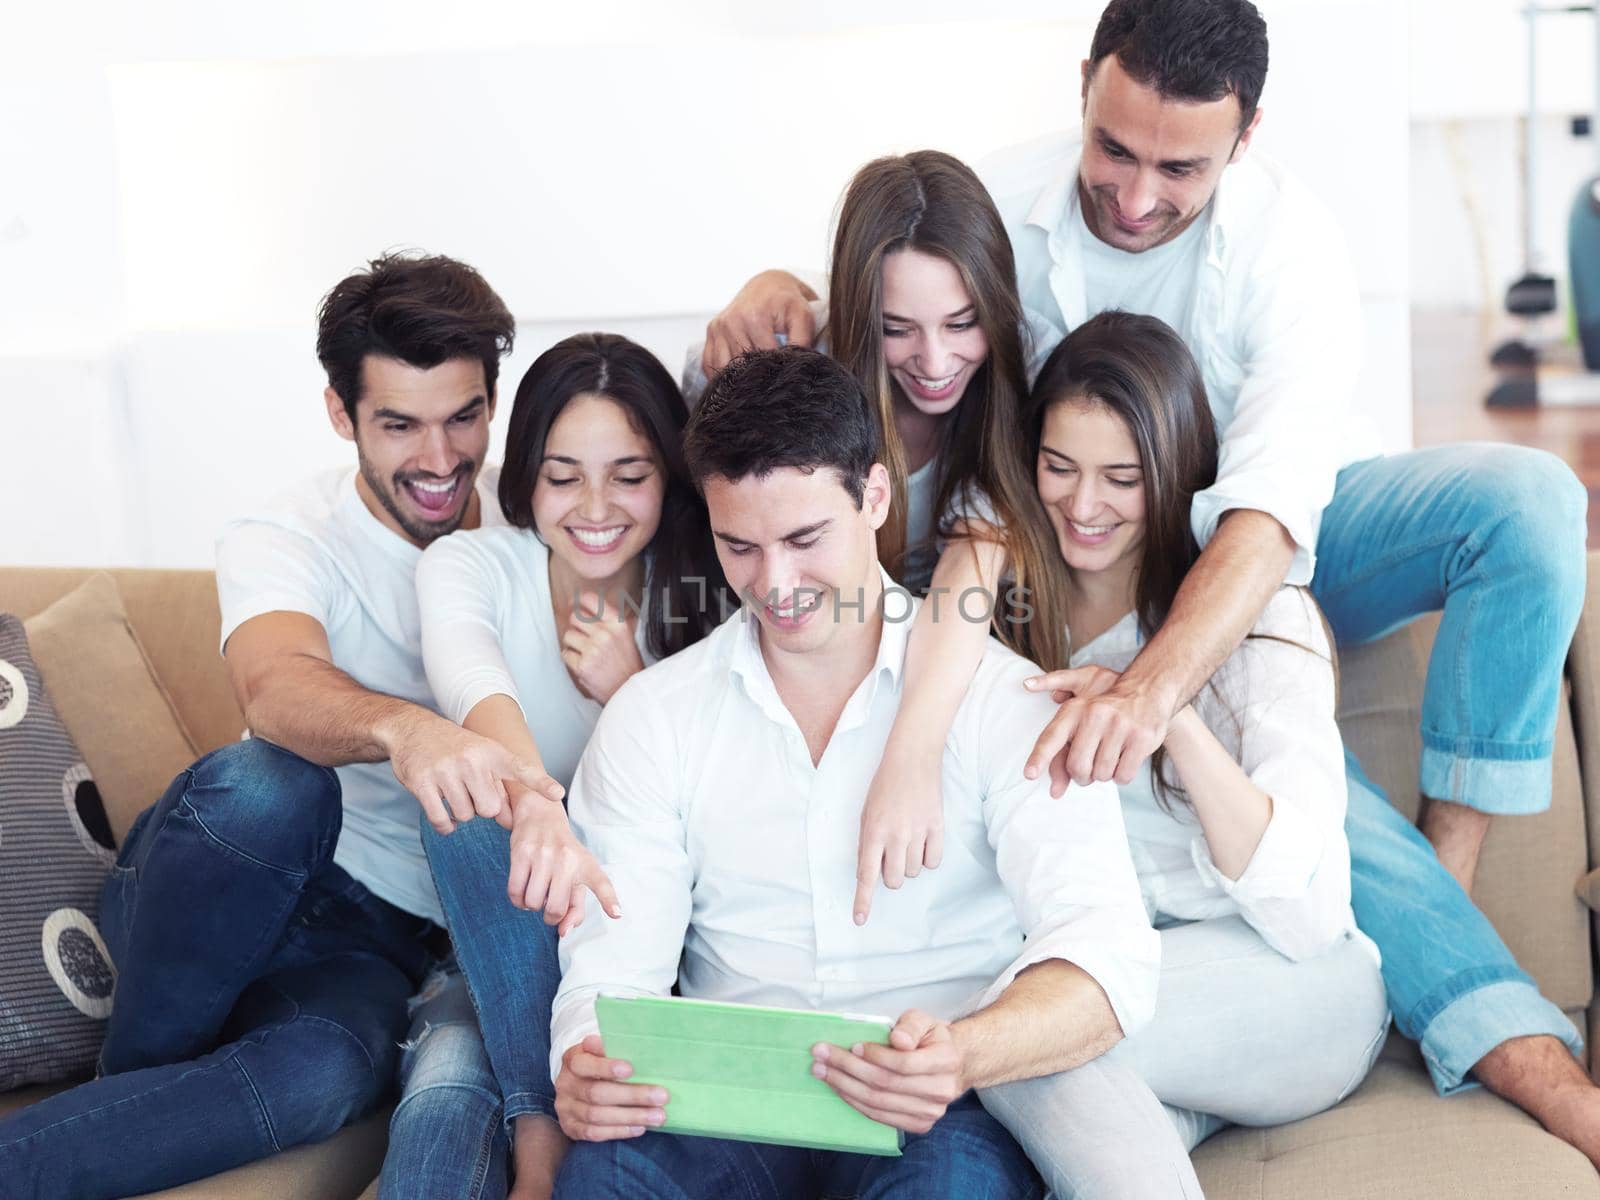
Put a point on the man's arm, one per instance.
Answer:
(291, 693)
(1107, 736)
(770, 303)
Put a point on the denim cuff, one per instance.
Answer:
(1498, 786)
(1475, 1023)
(528, 1104)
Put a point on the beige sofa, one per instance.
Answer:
(1393, 1138)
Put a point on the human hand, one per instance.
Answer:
(599, 649)
(1103, 730)
(550, 867)
(907, 1084)
(902, 824)
(456, 774)
(772, 302)
(594, 1105)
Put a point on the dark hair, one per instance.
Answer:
(684, 585)
(420, 309)
(933, 203)
(789, 407)
(1188, 49)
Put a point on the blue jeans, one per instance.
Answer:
(261, 991)
(1493, 535)
(968, 1155)
(480, 1051)
(448, 1135)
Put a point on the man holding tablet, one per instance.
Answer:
(722, 792)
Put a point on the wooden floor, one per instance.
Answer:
(1451, 376)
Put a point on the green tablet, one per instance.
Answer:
(743, 1071)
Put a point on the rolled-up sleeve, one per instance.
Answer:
(624, 805)
(1277, 692)
(1298, 343)
(1065, 863)
(458, 593)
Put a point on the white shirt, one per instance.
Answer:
(489, 628)
(1272, 706)
(318, 550)
(731, 852)
(1274, 323)
(1160, 282)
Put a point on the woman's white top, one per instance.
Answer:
(489, 628)
(1271, 705)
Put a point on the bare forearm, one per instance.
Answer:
(945, 648)
(310, 707)
(1233, 811)
(1220, 600)
(1053, 1017)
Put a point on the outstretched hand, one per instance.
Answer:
(1104, 729)
(456, 774)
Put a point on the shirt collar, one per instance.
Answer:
(747, 664)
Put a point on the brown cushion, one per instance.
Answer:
(1530, 865)
(1394, 1139)
(109, 698)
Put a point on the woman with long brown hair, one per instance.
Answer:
(923, 310)
(1271, 1006)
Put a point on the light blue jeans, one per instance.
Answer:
(479, 1052)
(448, 1133)
(1494, 536)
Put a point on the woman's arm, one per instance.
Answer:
(902, 822)
(1272, 810)
(1233, 811)
(472, 682)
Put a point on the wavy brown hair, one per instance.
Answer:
(933, 203)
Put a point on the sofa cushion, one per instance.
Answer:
(1530, 865)
(1394, 1139)
(56, 978)
(174, 615)
(109, 698)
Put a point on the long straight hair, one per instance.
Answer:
(687, 594)
(933, 203)
(1140, 369)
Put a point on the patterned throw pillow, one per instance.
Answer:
(56, 978)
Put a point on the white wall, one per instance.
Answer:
(192, 189)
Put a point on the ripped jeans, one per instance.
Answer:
(448, 1135)
(464, 1080)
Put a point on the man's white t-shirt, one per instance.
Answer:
(318, 550)
(1158, 282)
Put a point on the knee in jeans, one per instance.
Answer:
(256, 794)
(1542, 506)
(325, 1078)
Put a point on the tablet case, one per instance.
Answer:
(744, 1071)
